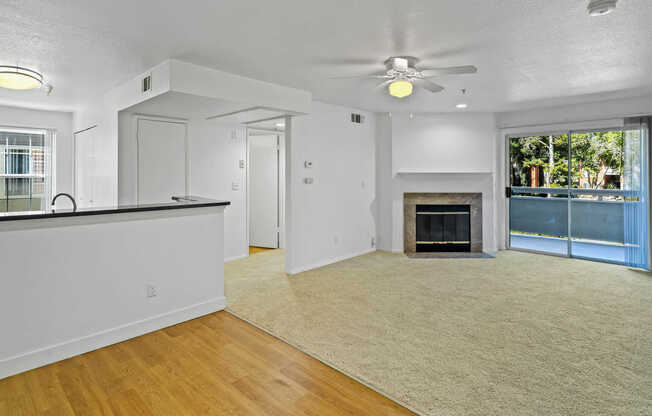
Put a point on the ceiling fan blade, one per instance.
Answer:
(384, 83)
(377, 76)
(451, 70)
(428, 85)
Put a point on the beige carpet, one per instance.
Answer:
(522, 334)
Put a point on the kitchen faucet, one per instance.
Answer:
(74, 204)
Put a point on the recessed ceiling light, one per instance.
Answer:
(280, 125)
(17, 78)
(601, 7)
(461, 105)
(400, 88)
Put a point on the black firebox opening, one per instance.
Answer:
(443, 228)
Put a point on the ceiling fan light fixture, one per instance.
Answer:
(17, 78)
(601, 7)
(400, 88)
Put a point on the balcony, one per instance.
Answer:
(539, 221)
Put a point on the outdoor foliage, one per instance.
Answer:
(593, 157)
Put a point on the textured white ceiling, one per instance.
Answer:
(529, 52)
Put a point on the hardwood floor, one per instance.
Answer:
(213, 365)
(254, 250)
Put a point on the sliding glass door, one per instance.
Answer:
(597, 195)
(538, 214)
(581, 194)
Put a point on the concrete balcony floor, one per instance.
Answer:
(587, 249)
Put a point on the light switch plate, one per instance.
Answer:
(235, 186)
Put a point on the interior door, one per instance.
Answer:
(85, 163)
(263, 191)
(161, 160)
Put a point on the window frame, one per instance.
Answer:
(49, 175)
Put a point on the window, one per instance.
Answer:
(25, 177)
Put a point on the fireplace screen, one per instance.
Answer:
(443, 228)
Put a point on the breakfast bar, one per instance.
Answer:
(73, 281)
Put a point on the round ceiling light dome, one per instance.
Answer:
(17, 78)
(400, 88)
(601, 7)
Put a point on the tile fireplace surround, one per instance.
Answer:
(410, 202)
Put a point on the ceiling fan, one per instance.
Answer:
(401, 75)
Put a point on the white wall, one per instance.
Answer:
(173, 75)
(556, 119)
(442, 142)
(206, 82)
(427, 143)
(215, 152)
(61, 122)
(332, 218)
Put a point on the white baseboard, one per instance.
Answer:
(241, 256)
(57, 352)
(332, 260)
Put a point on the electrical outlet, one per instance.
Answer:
(242, 164)
(151, 291)
(235, 186)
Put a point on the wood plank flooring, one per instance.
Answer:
(255, 250)
(213, 365)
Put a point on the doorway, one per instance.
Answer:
(569, 195)
(265, 190)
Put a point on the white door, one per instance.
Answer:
(161, 160)
(263, 191)
(85, 172)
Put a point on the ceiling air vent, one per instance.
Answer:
(147, 83)
(357, 118)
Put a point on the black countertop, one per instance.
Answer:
(178, 202)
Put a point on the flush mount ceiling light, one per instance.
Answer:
(461, 105)
(400, 88)
(17, 78)
(601, 7)
(280, 125)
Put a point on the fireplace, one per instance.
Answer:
(442, 224)
(443, 228)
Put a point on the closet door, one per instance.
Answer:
(162, 150)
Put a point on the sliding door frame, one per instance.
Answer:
(569, 195)
(508, 184)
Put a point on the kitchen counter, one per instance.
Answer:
(176, 202)
(74, 281)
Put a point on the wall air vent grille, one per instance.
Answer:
(357, 118)
(147, 83)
